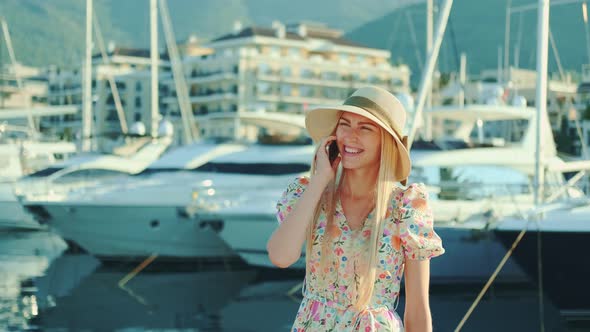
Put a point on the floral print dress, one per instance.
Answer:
(328, 295)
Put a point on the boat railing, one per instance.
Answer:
(60, 185)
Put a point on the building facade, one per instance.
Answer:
(285, 68)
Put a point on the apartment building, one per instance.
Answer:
(284, 68)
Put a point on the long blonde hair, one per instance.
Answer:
(384, 188)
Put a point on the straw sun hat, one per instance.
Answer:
(373, 103)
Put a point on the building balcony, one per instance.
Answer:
(319, 81)
(212, 78)
(219, 96)
(64, 92)
(298, 99)
(204, 78)
(204, 98)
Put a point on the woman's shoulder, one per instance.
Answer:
(410, 192)
(415, 190)
(406, 199)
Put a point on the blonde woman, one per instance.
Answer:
(361, 230)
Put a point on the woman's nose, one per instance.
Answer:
(351, 136)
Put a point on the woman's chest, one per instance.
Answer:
(350, 247)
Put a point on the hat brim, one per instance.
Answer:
(321, 122)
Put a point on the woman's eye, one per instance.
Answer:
(344, 124)
(367, 128)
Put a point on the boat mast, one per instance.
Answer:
(188, 121)
(426, 80)
(87, 83)
(154, 60)
(429, 24)
(541, 93)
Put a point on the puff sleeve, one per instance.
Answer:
(418, 239)
(290, 196)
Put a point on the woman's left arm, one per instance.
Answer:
(420, 243)
(417, 317)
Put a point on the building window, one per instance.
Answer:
(263, 88)
(137, 102)
(286, 89)
(286, 71)
(305, 91)
(264, 69)
(307, 73)
(137, 116)
(330, 75)
(331, 93)
(112, 115)
(275, 51)
(138, 86)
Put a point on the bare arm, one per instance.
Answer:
(284, 245)
(417, 317)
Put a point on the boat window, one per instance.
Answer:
(254, 168)
(88, 174)
(44, 172)
(149, 171)
(237, 168)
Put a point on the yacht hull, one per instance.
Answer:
(565, 266)
(133, 232)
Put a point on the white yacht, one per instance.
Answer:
(77, 172)
(140, 215)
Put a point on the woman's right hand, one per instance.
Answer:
(323, 169)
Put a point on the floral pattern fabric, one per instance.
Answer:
(328, 294)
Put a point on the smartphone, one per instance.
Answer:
(333, 151)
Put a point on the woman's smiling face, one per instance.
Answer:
(359, 141)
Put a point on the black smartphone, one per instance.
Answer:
(333, 151)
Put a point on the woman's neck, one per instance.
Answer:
(359, 183)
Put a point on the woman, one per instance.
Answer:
(361, 230)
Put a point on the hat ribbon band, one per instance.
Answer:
(371, 107)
